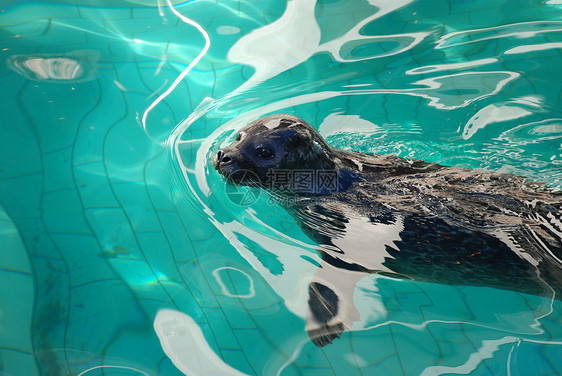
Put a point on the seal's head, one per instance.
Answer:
(275, 144)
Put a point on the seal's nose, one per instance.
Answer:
(223, 158)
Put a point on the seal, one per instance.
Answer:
(398, 218)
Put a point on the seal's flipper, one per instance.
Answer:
(323, 302)
(326, 334)
(331, 309)
(324, 306)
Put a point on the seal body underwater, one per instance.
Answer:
(400, 218)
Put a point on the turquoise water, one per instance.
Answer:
(122, 252)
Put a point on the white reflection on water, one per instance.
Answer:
(56, 68)
(234, 294)
(107, 367)
(497, 113)
(459, 90)
(69, 67)
(452, 66)
(406, 41)
(297, 274)
(279, 46)
(517, 30)
(183, 74)
(486, 351)
(183, 342)
(340, 123)
(533, 48)
(492, 114)
(534, 132)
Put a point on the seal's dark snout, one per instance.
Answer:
(223, 158)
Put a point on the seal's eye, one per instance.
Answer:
(264, 152)
(238, 136)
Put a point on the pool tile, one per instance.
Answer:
(17, 298)
(26, 29)
(17, 362)
(103, 13)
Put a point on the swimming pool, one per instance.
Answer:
(122, 250)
